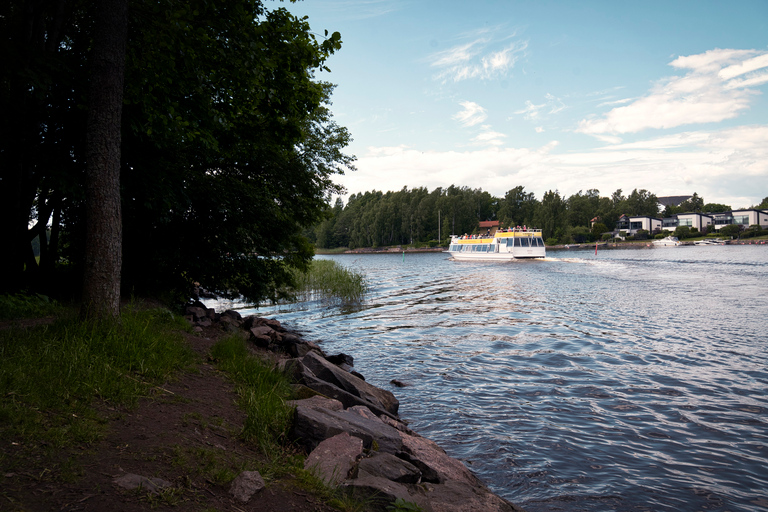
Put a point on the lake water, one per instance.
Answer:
(627, 380)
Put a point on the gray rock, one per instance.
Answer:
(386, 465)
(455, 496)
(379, 493)
(131, 481)
(332, 391)
(436, 466)
(332, 374)
(245, 485)
(231, 313)
(318, 402)
(196, 312)
(334, 458)
(311, 426)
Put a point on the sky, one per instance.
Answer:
(667, 96)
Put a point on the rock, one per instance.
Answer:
(234, 315)
(318, 402)
(274, 324)
(436, 466)
(204, 322)
(455, 496)
(398, 383)
(312, 426)
(332, 374)
(196, 312)
(131, 481)
(340, 359)
(245, 485)
(334, 458)
(379, 493)
(331, 391)
(386, 465)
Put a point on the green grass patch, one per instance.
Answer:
(329, 281)
(27, 306)
(262, 392)
(51, 376)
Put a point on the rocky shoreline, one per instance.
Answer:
(351, 431)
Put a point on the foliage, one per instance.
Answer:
(732, 230)
(682, 232)
(411, 217)
(50, 376)
(229, 148)
(752, 231)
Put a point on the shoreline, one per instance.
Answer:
(641, 244)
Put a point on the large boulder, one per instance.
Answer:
(386, 465)
(332, 374)
(435, 465)
(312, 426)
(334, 458)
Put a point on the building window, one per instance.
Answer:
(741, 219)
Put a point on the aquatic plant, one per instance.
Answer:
(328, 281)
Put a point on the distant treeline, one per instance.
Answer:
(420, 217)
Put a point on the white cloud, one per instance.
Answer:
(479, 58)
(708, 93)
(489, 137)
(728, 166)
(472, 114)
(531, 112)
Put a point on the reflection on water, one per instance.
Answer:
(629, 380)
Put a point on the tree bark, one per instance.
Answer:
(103, 242)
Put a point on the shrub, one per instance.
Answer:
(730, 230)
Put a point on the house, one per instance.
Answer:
(745, 218)
(489, 225)
(698, 221)
(631, 225)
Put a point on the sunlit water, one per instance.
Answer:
(627, 380)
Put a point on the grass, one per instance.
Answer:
(262, 394)
(329, 281)
(26, 306)
(51, 376)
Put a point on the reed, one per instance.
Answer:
(328, 281)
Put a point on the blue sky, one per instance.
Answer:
(667, 96)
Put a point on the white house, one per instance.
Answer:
(700, 221)
(744, 218)
(632, 225)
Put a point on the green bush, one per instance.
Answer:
(731, 230)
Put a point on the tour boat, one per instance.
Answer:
(503, 245)
(669, 241)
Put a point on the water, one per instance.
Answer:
(626, 380)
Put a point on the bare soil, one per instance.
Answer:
(186, 433)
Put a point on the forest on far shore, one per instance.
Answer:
(420, 217)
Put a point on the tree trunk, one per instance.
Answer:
(103, 242)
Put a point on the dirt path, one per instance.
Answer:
(186, 433)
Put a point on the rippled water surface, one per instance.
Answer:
(627, 380)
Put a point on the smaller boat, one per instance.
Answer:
(710, 241)
(669, 241)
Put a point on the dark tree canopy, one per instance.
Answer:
(228, 147)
